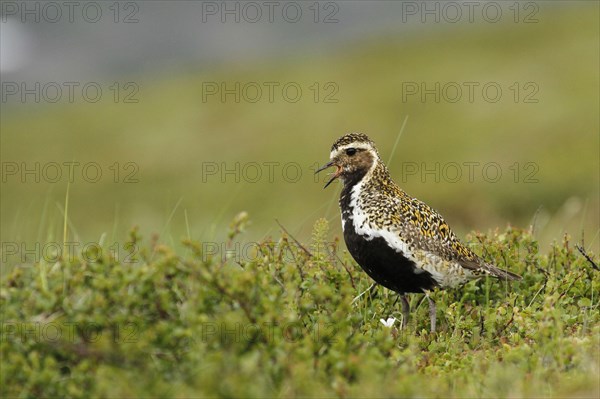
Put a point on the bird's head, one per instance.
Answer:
(353, 155)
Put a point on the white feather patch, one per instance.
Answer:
(343, 148)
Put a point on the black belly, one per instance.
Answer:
(384, 265)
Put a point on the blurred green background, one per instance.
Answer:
(174, 137)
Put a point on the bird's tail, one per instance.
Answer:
(501, 273)
(479, 265)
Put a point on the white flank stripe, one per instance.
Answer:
(444, 273)
(363, 227)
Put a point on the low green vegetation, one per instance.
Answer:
(278, 320)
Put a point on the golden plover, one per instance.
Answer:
(399, 241)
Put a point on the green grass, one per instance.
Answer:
(280, 322)
(171, 132)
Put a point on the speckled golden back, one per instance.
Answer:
(386, 207)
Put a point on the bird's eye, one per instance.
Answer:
(351, 151)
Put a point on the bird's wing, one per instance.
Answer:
(430, 235)
(428, 231)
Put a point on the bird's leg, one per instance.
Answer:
(405, 310)
(432, 312)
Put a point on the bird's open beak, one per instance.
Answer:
(334, 176)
